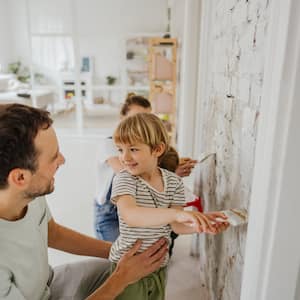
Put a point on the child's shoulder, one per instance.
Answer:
(170, 175)
(124, 174)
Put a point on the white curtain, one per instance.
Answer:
(51, 29)
(53, 52)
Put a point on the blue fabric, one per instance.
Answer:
(106, 219)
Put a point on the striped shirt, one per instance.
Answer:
(126, 184)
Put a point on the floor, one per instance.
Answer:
(72, 205)
(183, 274)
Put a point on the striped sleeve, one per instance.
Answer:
(123, 184)
(179, 196)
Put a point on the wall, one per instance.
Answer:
(102, 26)
(17, 15)
(5, 38)
(230, 106)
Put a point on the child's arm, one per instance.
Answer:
(210, 218)
(137, 216)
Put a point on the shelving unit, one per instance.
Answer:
(163, 81)
(136, 65)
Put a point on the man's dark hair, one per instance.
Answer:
(133, 99)
(19, 125)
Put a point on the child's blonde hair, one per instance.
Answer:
(145, 128)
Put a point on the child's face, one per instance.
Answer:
(138, 159)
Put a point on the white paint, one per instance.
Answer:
(273, 245)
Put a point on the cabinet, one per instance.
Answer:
(68, 85)
(163, 81)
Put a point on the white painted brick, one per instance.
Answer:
(234, 84)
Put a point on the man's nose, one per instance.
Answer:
(61, 159)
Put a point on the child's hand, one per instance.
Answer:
(218, 219)
(199, 221)
(185, 167)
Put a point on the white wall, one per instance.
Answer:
(5, 35)
(75, 184)
(102, 26)
(229, 106)
(18, 32)
(272, 261)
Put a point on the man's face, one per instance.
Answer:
(49, 160)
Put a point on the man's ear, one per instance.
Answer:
(19, 177)
(159, 149)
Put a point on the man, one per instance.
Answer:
(29, 159)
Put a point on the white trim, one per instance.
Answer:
(76, 45)
(203, 67)
(273, 247)
(188, 85)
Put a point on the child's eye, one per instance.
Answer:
(133, 149)
(120, 150)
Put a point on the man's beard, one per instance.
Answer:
(31, 194)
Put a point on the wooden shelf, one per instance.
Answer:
(163, 81)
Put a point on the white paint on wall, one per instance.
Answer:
(232, 54)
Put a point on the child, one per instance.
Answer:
(149, 199)
(106, 221)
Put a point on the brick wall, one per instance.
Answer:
(229, 126)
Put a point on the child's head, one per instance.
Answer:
(142, 128)
(135, 104)
(170, 160)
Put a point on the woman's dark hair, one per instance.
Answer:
(19, 125)
(133, 99)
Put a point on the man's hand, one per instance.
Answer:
(135, 266)
(185, 167)
(131, 267)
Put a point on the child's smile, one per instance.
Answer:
(138, 159)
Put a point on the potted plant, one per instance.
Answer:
(111, 80)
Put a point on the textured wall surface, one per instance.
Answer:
(228, 127)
